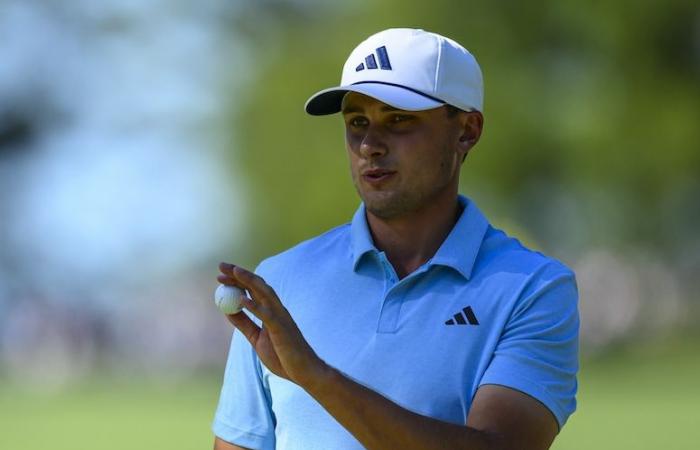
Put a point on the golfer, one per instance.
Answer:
(418, 325)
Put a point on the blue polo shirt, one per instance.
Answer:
(483, 310)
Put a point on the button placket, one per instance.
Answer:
(391, 303)
(394, 291)
(389, 272)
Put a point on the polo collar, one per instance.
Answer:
(458, 251)
(461, 247)
(361, 237)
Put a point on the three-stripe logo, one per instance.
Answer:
(371, 61)
(464, 317)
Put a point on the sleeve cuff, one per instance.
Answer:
(239, 437)
(532, 389)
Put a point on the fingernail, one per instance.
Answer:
(226, 266)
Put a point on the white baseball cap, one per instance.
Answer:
(408, 69)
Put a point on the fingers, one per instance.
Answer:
(258, 309)
(255, 285)
(227, 277)
(265, 305)
(246, 326)
(229, 281)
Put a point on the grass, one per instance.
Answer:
(646, 398)
(107, 416)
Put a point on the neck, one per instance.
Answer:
(411, 240)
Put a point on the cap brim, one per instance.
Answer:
(329, 101)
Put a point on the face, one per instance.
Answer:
(401, 161)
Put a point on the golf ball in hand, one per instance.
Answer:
(228, 299)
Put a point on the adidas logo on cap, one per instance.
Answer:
(371, 62)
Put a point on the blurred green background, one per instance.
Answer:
(188, 122)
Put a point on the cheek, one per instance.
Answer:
(352, 141)
(353, 160)
(433, 161)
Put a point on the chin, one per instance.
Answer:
(385, 206)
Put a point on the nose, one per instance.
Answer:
(373, 143)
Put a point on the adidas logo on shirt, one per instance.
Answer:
(371, 61)
(464, 317)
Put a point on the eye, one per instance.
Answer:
(399, 118)
(357, 121)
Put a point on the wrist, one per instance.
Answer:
(319, 377)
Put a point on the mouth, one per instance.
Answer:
(377, 176)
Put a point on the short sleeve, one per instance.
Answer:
(538, 350)
(244, 415)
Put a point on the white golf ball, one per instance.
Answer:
(228, 299)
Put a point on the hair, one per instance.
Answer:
(452, 111)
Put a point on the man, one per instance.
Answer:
(418, 325)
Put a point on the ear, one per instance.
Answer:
(471, 123)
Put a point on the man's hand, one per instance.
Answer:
(279, 343)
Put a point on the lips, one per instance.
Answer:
(377, 176)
